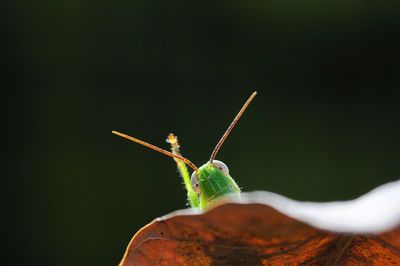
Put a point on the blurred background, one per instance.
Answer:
(324, 125)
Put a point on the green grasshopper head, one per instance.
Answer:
(212, 180)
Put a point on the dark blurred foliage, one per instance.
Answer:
(324, 126)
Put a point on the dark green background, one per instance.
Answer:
(324, 126)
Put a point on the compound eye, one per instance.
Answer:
(194, 182)
(221, 166)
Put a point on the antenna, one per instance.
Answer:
(157, 149)
(221, 141)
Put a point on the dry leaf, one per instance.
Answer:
(263, 228)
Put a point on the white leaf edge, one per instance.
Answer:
(374, 212)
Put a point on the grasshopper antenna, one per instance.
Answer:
(221, 141)
(157, 149)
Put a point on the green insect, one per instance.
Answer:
(210, 181)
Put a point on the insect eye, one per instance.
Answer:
(194, 182)
(221, 166)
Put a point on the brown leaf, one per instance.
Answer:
(255, 234)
